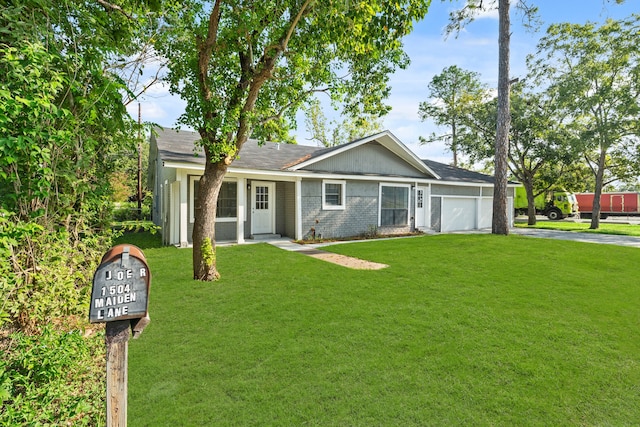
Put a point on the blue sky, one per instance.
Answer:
(475, 49)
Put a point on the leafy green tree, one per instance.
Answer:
(595, 73)
(453, 93)
(245, 68)
(61, 106)
(576, 178)
(630, 186)
(338, 133)
(61, 115)
(61, 118)
(458, 19)
(539, 154)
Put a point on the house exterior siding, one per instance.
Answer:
(359, 217)
(448, 190)
(163, 177)
(286, 209)
(224, 231)
(372, 158)
(436, 214)
(336, 192)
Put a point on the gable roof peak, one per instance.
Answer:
(385, 138)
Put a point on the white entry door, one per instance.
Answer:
(263, 207)
(421, 207)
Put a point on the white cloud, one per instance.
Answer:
(489, 10)
(163, 110)
(157, 89)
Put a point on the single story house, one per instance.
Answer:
(371, 185)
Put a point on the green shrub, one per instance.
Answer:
(49, 376)
(46, 274)
(129, 211)
(52, 378)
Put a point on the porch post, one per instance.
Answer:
(298, 235)
(427, 196)
(242, 209)
(479, 209)
(184, 209)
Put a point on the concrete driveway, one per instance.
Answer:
(607, 239)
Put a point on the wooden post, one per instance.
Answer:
(117, 340)
(120, 298)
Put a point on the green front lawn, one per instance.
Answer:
(459, 330)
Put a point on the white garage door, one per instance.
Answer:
(486, 212)
(458, 214)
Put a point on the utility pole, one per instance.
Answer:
(139, 162)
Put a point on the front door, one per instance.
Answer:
(420, 207)
(263, 207)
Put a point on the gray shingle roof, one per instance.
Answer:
(178, 146)
(174, 146)
(452, 173)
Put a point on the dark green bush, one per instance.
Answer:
(52, 378)
(129, 211)
(48, 375)
(46, 274)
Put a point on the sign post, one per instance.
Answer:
(120, 298)
(117, 340)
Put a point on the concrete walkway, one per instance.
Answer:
(311, 249)
(288, 245)
(607, 239)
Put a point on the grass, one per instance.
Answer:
(141, 238)
(570, 225)
(459, 330)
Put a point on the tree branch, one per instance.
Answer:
(205, 50)
(269, 61)
(155, 79)
(279, 114)
(264, 73)
(110, 6)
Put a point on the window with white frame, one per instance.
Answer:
(228, 200)
(394, 204)
(333, 194)
(227, 207)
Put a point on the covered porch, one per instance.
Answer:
(250, 207)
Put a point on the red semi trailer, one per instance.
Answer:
(611, 204)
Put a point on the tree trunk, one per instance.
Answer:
(595, 212)
(531, 203)
(500, 222)
(204, 231)
(454, 144)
